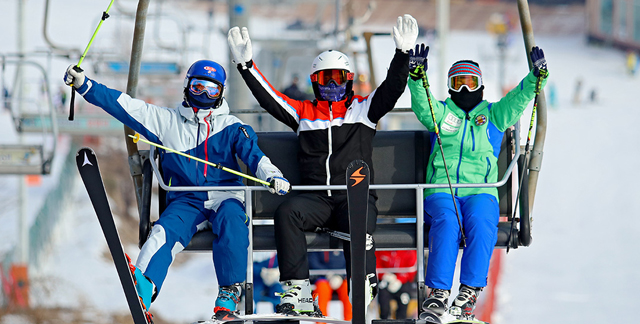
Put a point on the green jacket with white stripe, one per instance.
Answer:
(471, 141)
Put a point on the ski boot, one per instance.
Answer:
(465, 303)
(226, 307)
(297, 299)
(436, 301)
(371, 289)
(145, 288)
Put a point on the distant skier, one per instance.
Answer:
(333, 130)
(201, 126)
(266, 287)
(293, 91)
(471, 131)
(396, 285)
(328, 283)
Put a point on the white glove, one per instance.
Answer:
(393, 283)
(279, 185)
(74, 76)
(269, 276)
(405, 33)
(240, 46)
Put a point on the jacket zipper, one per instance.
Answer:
(486, 176)
(464, 132)
(206, 140)
(473, 140)
(195, 150)
(330, 151)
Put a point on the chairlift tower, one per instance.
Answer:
(237, 92)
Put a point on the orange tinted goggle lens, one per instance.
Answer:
(198, 87)
(471, 81)
(339, 76)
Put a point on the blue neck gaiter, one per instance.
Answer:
(332, 91)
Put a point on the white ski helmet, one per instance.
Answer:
(332, 60)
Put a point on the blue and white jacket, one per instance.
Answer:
(212, 135)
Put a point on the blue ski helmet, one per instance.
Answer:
(208, 71)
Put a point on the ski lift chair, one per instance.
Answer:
(32, 159)
(399, 157)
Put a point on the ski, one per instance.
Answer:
(430, 317)
(358, 199)
(87, 163)
(271, 317)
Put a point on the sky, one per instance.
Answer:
(581, 266)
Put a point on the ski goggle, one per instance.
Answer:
(198, 87)
(471, 82)
(340, 77)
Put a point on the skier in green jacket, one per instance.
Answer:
(471, 130)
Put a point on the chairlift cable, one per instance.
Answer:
(77, 68)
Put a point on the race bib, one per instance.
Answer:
(451, 123)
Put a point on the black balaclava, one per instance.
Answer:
(466, 100)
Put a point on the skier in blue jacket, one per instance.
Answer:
(202, 127)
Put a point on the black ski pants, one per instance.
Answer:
(307, 212)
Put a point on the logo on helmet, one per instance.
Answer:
(210, 69)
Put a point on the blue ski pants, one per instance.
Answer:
(479, 216)
(180, 221)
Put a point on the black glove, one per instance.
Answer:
(539, 62)
(418, 61)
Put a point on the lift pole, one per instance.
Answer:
(541, 123)
(135, 161)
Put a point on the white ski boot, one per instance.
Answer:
(297, 299)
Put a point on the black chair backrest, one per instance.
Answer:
(399, 157)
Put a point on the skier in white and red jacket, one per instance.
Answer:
(333, 130)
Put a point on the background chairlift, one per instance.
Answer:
(29, 158)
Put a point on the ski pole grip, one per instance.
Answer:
(272, 184)
(71, 102)
(73, 95)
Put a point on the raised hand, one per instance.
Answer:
(405, 33)
(74, 75)
(240, 45)
(539, 62)
(418, 61)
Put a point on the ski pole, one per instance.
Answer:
(137, 138)
(77, 68)
(425, 84)
(345, 236)
(543, 74)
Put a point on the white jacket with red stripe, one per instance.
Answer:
(331, 134)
